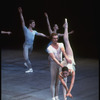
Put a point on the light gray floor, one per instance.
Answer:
(16, 85)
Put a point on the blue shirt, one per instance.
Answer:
(48, 45)
(29, 36)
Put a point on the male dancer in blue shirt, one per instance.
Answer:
(29, 34)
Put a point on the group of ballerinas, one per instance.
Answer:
(60, 68)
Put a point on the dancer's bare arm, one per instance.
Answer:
(72, 82)
(71, 32)
(53, 57)
(60, 34)
(43, 35)
(63, 83)
(71, 85)
(21, 16)
(48, 23)
(6, 32)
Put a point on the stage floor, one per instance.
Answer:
(17, 85)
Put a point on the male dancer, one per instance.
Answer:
(55, 51)
(29, 34)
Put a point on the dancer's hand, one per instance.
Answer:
(71, 32)
(20, 9)
(69, 94)
(46, 14)
(61, 65)
(9, 33)
(48, 37)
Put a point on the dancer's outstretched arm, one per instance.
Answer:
(71, 84)
(63, 83)
(48, 23)
(43, 35)
(21, 16)
(71, 32)
(59, 34)
(65, 86)
(6, 32)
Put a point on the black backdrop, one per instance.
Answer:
(80, 15)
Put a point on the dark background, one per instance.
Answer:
(80, 15)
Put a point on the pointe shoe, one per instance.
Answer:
(65, 20)
(65, 25)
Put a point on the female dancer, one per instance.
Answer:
(71, 67)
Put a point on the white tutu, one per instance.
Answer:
(68, 65)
